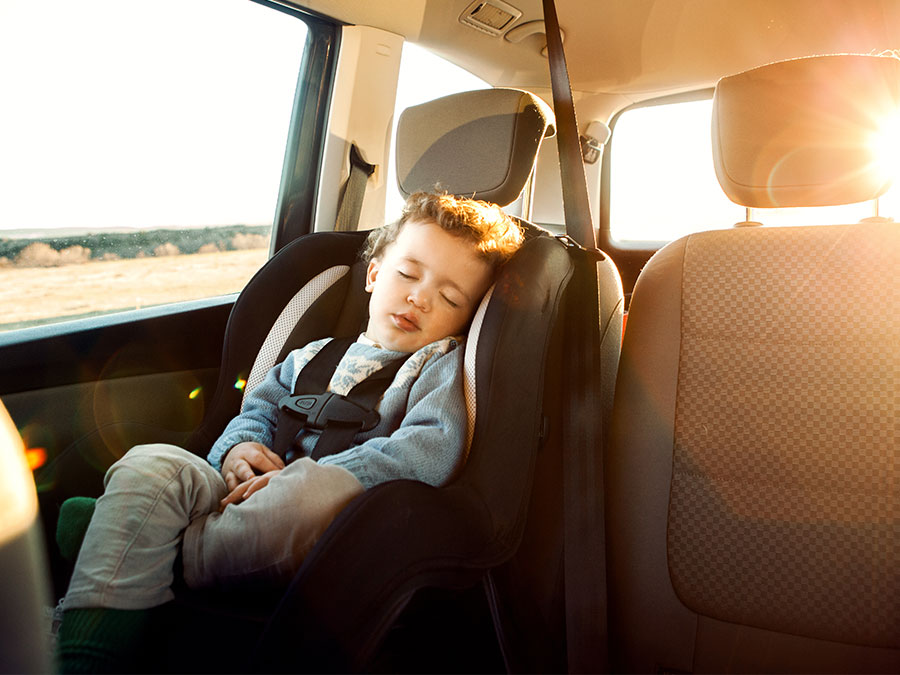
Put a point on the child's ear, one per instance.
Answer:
(371, 273)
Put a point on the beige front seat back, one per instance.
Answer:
(753, 471)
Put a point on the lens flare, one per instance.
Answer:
(240, 383)
(36, 458)
(195, 393)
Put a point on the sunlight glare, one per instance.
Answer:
(885, 147)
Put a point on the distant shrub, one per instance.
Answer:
(38, 254)
(243, 242)
(166, 249)
(5, 262)
(209, 248)
(74, 255)
(109, 255)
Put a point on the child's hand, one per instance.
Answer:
(247, 488)
(246, 461)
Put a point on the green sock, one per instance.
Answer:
(101, 640)
(74, 517)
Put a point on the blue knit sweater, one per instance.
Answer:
(421, 435)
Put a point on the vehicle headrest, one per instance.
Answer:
(805, 132)
(479, 144)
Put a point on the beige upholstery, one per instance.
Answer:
(802, 132)
(753, 474)
(498, 131)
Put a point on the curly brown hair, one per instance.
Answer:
(494, 234)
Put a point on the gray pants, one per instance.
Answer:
(159, 497)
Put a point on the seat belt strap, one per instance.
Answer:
(584, 554)
(339, 418)
(576, 205)
(354, 192)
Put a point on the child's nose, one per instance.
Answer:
(418, 297)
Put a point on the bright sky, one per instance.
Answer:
(74, 73)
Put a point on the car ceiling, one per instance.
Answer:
(629, 50)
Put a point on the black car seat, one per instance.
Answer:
(753, 506)
(404, 536)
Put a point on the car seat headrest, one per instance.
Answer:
(480, 144)
(805, 132)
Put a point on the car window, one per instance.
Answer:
(423, 77)
(663, 184)
(142, 150)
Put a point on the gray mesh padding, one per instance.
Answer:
(785, 504)
(469, 365)
(286, 321)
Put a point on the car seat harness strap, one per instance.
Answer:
(338, 417)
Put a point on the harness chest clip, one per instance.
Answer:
(318, 410)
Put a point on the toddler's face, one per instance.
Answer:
(425, 286)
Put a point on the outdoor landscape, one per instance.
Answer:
(66, 277)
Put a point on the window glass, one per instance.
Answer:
(423, 77)
(141, 148)
(663, 184)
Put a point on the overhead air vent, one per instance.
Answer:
(491, 17)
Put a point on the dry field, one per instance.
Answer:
(32, 295)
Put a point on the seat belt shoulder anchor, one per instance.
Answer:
(594, 253)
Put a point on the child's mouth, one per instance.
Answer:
(405, 322)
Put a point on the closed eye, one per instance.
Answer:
(449, 301)
(404, 275)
